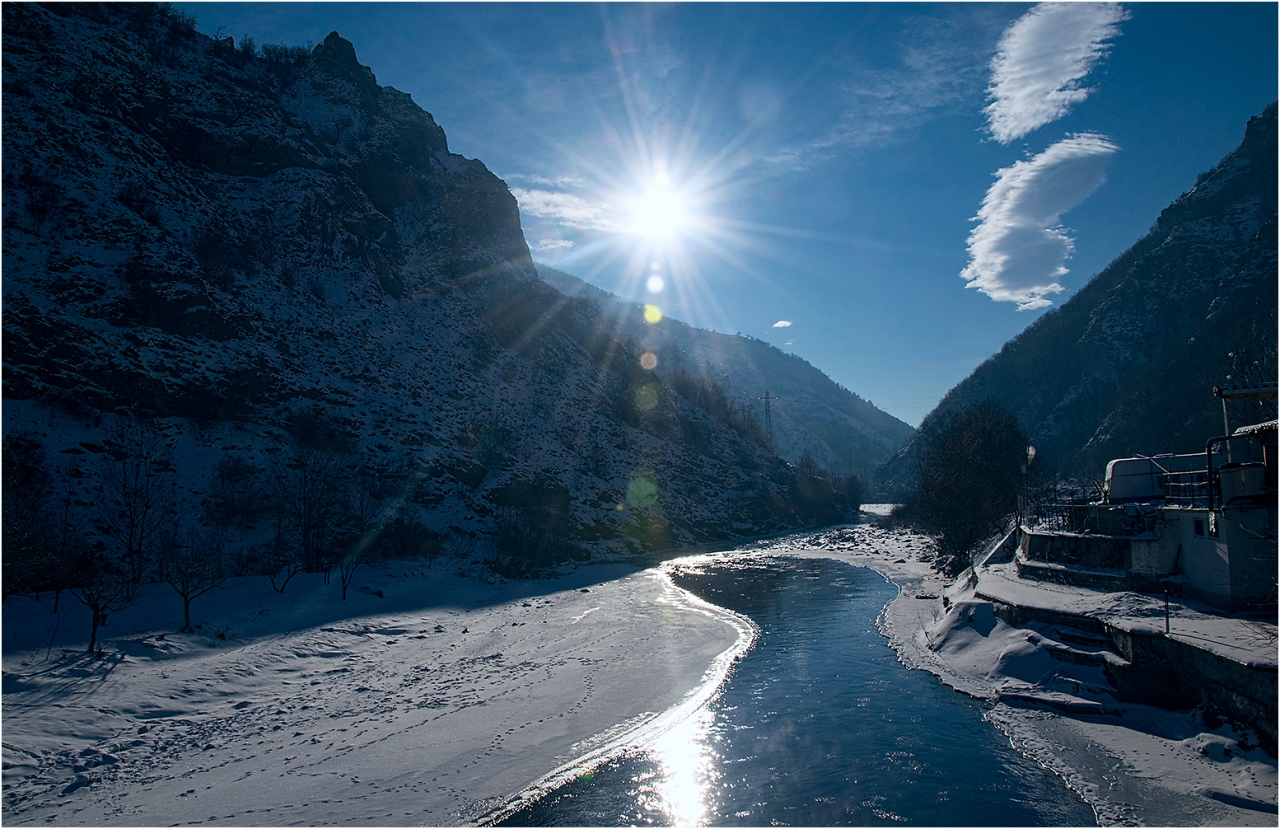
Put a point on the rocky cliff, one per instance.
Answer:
(251, 250)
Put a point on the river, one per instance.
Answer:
(818, 725)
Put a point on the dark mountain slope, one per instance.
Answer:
(813, 414)
(1128, 364)
(249, 251)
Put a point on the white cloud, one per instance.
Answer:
(1042, 57)
(558, 181)
(782, 324)
(938, 68)
(552, 245)
(1018, 249)
(566, 208)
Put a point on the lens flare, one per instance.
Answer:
(648, 361)
(641, 491)
(652, 314)
(646, 397)
(655, 284)
(667, 198)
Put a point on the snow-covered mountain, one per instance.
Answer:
(1127, 366)
(251, 250)
(810, 413)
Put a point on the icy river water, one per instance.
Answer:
(818, 725)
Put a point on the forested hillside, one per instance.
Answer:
(810, 413)
(1127, 366)
(252, 293)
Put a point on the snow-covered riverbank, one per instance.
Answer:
(431, 699)
(431, 703)
(1134, 764)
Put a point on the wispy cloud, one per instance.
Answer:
(782, 324)
(545, 181)
(1019, 247)
(1042, 57)
(566, 209)
(553, 245)
(938, 69)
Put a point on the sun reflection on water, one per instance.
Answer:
(687, 774)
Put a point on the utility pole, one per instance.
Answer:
(768, 419)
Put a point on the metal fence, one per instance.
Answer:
(1186, 489)
(1092, 518)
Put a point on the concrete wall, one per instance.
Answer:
(1250, 534)
(1202, 558)
(1094, 579)
(1098, 551)
(1170, 673)
(1156, 556)
(1234, 571)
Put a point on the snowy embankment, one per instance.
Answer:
(1134, 764)
(431, 703)
(431, 699)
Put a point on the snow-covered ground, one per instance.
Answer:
(431, 703)
(429, 698)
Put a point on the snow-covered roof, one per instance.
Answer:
(1257, 428)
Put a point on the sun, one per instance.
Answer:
(659, 212)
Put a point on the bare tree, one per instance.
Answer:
(373, 506)
(193, 563)
(138, 496)
(310, 492)
(235, 494)
(350, 559)
(68, 534)
(103, 582)
(277, 558)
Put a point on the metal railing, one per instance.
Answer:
(1089, 518)
(1186, 489)
(1075, 509)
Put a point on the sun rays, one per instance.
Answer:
(659, 212)
(659, 203)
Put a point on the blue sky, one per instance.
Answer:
(906, 186)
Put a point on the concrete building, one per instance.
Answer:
(1202, 526)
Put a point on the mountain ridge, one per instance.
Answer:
(1127, 365)
(814, 414)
